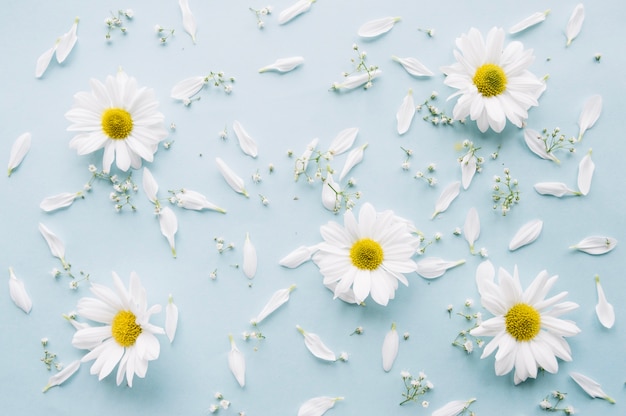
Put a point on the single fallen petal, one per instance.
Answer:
(447, 196)
(471, 228)
(150, 186)
(18, 292)
(331, 198)
(247, 143)
(589, 115)
(557, 189)
(453, 408)
(413, 67)
(20, 147)
(57, 248)
(171, 319)
(354, 81)
(354, 158)
(317, 406)
(590, 386)
(59, 201)
(249, 258)
(231, 178)
(44, 61)
(575, 23)
(604, 310)
(468, 169)
(278, 299)
(527, 233)
(405, 113)
(531, 20)
(300, 255)
(585, 173)
(189, 21)
(537, 146)
(390, 347)
(433, 267)
(284, 64)
(294, 10)
(303, 161)
(596, 245)
(187, 88)
(189, 199)
(343, 141)
(315, 345)
(66, 43)
(62, 376)
(377, 27)
(237, 362)
(169, 226)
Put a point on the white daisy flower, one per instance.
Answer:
(127, 337)
(493, 81)
(120, 117)
(368, 256)
(526, 327)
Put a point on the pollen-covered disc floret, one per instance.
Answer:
(367, 257)
(120, 117)
(526, 329)
(126, 338)
(493, 81)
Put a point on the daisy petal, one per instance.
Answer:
(231, 178)
(278, 299)
(589, 115)
(62, 376)
(596, 245)
(377, 27)
(453, 408)
(169, 227)
(44, 61)
(343, 141)
(585, 173)
(317, 406)
(66, 43)
(575, 23)
(294, 10)
(189, 21)
(433, 267)
(413, 67)
(249, 258)
(527, 233)
(171, 319)
(537, 146)
(354, 158)
(557, 189)
(52, 203)
(18, 292)
(448, 195)
(315, 345)
(405, 113)
(471, 228)
(247, 143)
(529, 21)
(390, 348)
(237, 363)
(590, 386)
(604, 310)
(57, 248)
(284, 64)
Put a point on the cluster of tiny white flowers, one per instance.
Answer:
(556, 140)
(430, 180)
(67, 271)
(221, 246)
(218, 79)
(415, 387)
(116, 22)
(221, 404)
(49, 359)
(429, 32)
(547, 405)
(505, 196)
(464, 339)
(163, 33)
(260, 14)
(360, 66)
(434, 115)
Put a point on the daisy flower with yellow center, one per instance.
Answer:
(494, 82)
(367, 257)
(126, 338)
(120, 117)
(526, 328)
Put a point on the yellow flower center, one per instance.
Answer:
(366, 254)
(523, 322)
(117, 123)
(490, 80)
(124, 328)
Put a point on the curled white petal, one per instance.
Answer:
(247, 143)
(527, 233)
(278, 299)
(585, 173)
(331, 199)
(284, 64)
(529, 21)
(171, 319)
(575, 23)
(471, 228)
(596, 245)
(237, 362)
(62, 376)
(390, 347)
(557, 189)
(189, 199)
(315, 345)
(433, 267)
(354, 81)
(20, 148)
(317, 406)
(589, 115)
(189, 21)
(231, 178)
(590, 386)
(343, 141)
(169, 226)
(150, 186)
(57, 248)
(413, 66)
(294, 10)
(604, 310)
(62, 200)
(448, 195)
(66, 43)
(468, 169)
(44, 61)
(405, 113)
(453, 408)
(537, 146)
(377, 27)
(249, 258)
(298, 256)
(18, 292)
(354, 158)
(187, 88)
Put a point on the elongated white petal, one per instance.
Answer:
(59, 201)
(453, 408)
(433, 267)
(171, 319)
(247, 143)
(604, 310)
(44, 61)
(537, 146)
(303, 161)
(413, 66)
(62, 376)
(405, 113)
(589, 115)
(596, 245)
(189, 21)
(343, 141)
(300, 255)
(20, 147)
(57, 248)
(471, 228)
(294, 10)
(448, 195)
(315, 345)
(187, 88)
(278, 299)
(377, 27)
(529, 21)
(237, 362)
(527, 233)
(231, 178)
(66, 43)
(575, 23)
(390, 347)
(284, 64)
(249, 258)
(169, 226)
(331, 199)
(317, 406)
(150, 186)
(354, 81)
(557, 189)
(585, 173)
(190, 199)
(590, 386)
(354, 158)
(18, 292)
(468, 169)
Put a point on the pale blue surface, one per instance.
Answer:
(285, 112)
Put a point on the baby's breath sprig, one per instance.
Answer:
(434, 115)
(221, 403)
(464, 339)
(406, 165)
(470, 155)
(415, 387)
(116, 21)
(122, 189)
(431, 180)
(429, 32)
(548, 405)
(49, 359)
(218, 79)
(163, 33)
(221, 246)
(507, 197)
(256, 335)
(424, 244)
(67, 271)
(259, 14)
(360, 67)
(555, 140)
(345, 198)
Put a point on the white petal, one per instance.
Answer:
(575, 23)
(537, 146)
(315, 345)
(247, 143)
(526, 234)
(190, 199)
(589, 115)
(354, 158)
(531, 20)
(284, 64)
(169, 226)
(468, 169)
(237, 363)
(557, 189)
(279, 298)
(432, 267)
(249, 258)
(60, 377)
(377, 27)
(189, 21)
(453, 408)
(150, 186)
(354, 81)
(231, 177)
(585, 173)
(447, 196)
(59, 201)
(590, 386)
(343, 141)
(604, 310)
(187, 88)
(317, 406)
(413, 67)
(390, 348)
(20, 147)
(171, 319)
(67, 42)
(294, 10)
(18, 292)
(300, 255)
(596, 245)
(44, 61)
(471, 228)
(331, 199)
(303, 161)
(57, 248)
(405, 113)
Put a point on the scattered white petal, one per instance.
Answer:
(66, 43)
(20, 147)
(453, 408)
(354, 81)
(171, 319)
(237, 362)
(590, 386)
(343, 141)
(331, 199)
(557, 189)
(169, 226)
(317, 406)
(575, 23)
(150, 186)
(189, 21)
(531, 20)
(57, 248)
(413, 67)
(471, 228)
(249, 258)
(537, 146)
(187, 88)
(377, 27)
(62, 376)
(300, 255)
(447, 196)
(231, 178)
(604, 310)
(596, 245)
(303, 161)
(294, 10)
(585, 173)
(315, 345)
(468, 169)
(284, 64)
(62, 200)
(44, 61)
(18, 292)
(278, 299)
(354, 158)
(433, 267)
(589, 115)
(390, 347)
(247, 143)
(405, 113)
(527, 233)
(189, 199)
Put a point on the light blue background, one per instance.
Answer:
(285, 112)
